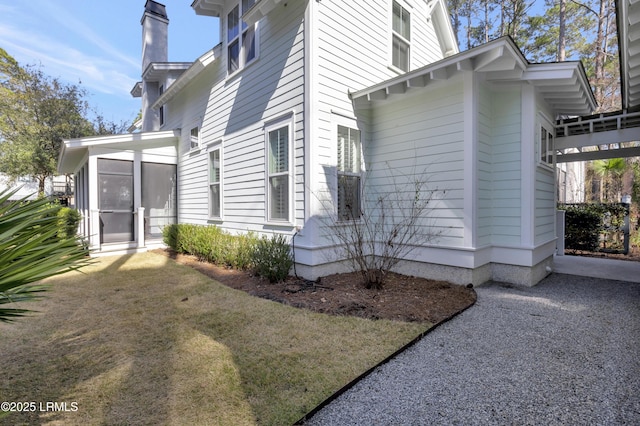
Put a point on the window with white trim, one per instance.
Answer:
(161, 113)
(401, 37)
(215, 184)
(546, 146)
(194, 137)
(278, 185)
(349, 176)
(241, 38)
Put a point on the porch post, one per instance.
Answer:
(140, 227)
(94, 226)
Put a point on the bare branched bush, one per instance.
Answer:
(391, 222)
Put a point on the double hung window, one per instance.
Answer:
(215, 184)
(349, 206)
(241, 38)
(278, 174)
(401, 37)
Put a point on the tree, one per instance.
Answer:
(36, 113)
(31, 249)
(610, 173)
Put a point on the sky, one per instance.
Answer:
(97, 44)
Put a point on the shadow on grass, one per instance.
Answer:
(141, 340)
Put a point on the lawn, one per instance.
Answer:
(140, 339)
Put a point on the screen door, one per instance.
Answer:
(115, 186)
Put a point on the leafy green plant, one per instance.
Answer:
(68, 221)
(211, 244)
(31, 250)
(272, 258)
(595, 227)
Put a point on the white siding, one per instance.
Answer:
(353, 49)
(506, 211)
(484, 196)
(233, 112)
(423, 133)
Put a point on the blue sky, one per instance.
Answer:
(97, 44)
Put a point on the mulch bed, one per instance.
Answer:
(403, 298)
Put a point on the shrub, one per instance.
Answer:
(272, 258)
(211, 244)
(582, 229)
(68, 220)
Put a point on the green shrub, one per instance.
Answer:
(269, 257)
(594, 227)
(272, 258)
(68, 220)
(582, 229)
(211, 244)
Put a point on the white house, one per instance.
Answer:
(300, 92)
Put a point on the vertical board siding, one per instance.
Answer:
(545, 205)
(422, 134)
(233, 111)
(484, 196)
(506, 211)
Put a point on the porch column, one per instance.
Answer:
(140, 227)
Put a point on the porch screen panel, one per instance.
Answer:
(115, 198)
(158, 197)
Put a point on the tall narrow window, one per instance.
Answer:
(401, 38)
(349, 207)
(546, 146)
(194, 137)
(215, 184)
(241, 38)
(278, 185)
(160, 92)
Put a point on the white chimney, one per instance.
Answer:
(155, 28)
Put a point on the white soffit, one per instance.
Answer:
(208, 7)
(629, 42)
(500, 61)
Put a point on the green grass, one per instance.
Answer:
(142, 340)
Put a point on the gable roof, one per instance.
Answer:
(563, 85)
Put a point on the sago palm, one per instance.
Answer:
(31, 250)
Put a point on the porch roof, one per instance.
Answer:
(74, 151)
(563, 85)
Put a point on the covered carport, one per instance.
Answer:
(613, 134)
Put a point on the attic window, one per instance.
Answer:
(401, 38)
(241, 38)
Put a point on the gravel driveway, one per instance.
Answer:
(566, 352)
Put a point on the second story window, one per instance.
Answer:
(161, 113)
(241, 38)
(195, 137)
(401, 38)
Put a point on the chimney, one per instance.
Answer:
(155, 26)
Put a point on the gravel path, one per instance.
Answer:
(566, 352)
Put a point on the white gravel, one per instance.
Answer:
(566, 352)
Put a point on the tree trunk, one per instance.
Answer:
(562, 42)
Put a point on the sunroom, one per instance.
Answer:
(125, 188)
